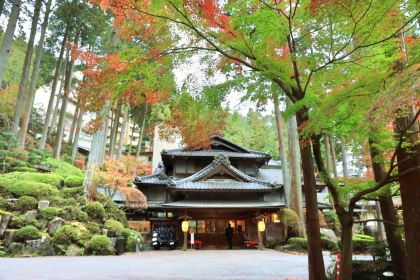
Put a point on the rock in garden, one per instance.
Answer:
(43, 204)
(30, 216)
(4, 223)
(9, 236)
(329, 233)
(73, 250)
(15, 248)
(40, 246)
(54, 224)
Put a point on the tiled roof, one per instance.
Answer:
(220, 161)
(222, 204)
(272, 175)
(158, 177)
(222, 185)
(212, 153)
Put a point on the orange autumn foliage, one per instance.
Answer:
(117, 175)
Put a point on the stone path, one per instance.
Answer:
(204, 264)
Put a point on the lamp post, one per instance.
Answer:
(184, 227)
(261, 229)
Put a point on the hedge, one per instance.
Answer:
(28, 233)
(46, 178)
(298, 243)
(95, 210)
(114, 226)
(99, 245)
(63, 168)
(20, 188)
(72, 192)
(67, 234)
(73, 181)
(49, 213)
(27, 203)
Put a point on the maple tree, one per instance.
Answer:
(291, 43)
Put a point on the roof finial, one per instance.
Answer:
(221, 159)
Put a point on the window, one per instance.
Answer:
(240, 226)
(275, 218)
(211, 226)
(192, 224)
(201, 226)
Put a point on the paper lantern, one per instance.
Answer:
(261, 226)
(184, 226)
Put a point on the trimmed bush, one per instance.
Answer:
(114, 226)
(99, 245)
(361, 245)
(3, 203)
(63, 168)
(46, 178)
(81, 200)
(49, 213)
(67, 235)
(93, 228)
(22, 187)
(28, 233)
(291, 221)
(23, 169)
(18, 221)
(328, 244)
(95, 210)
(297, 243)
(27, 203)
(112, 211)
(73, 181)
(72, 192)
(81, 216)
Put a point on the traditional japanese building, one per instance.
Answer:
(225, 184)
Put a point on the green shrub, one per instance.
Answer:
(28, 233)
(81, 200)
(93, 228)
(73, 181)
(131, 244)
(95, 210)
(3, 203)
(112, 211)
(363, 237)
(49, 213)
(23, 169)
(361, 245)
(72, 192)
(114, 226)
(37, 156)
(28, 188)
(81, 216)
(99, 245)
(46, 178)
(328, 244)
(67, 234)
(297, 243)
(27, 203)
(18, 221)
(63, 168)
(290, 220)
(331, 219)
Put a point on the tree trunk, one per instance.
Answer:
(73, 123)
(114, 130)
(34, 78)
(121, 141)
(345, 158)
(409, 157)
(131, 139)
(20, 100)
(59, 94)
(328, 156)
(143, 124)
(315, 259)
(67, 88)
(333, 158)
(77, 136)
(8, 37)
(95, 154)
(282, 151)
(295, 171)
(346, 222)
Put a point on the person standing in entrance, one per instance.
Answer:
(229, 235)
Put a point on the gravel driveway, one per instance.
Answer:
(200, 264)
